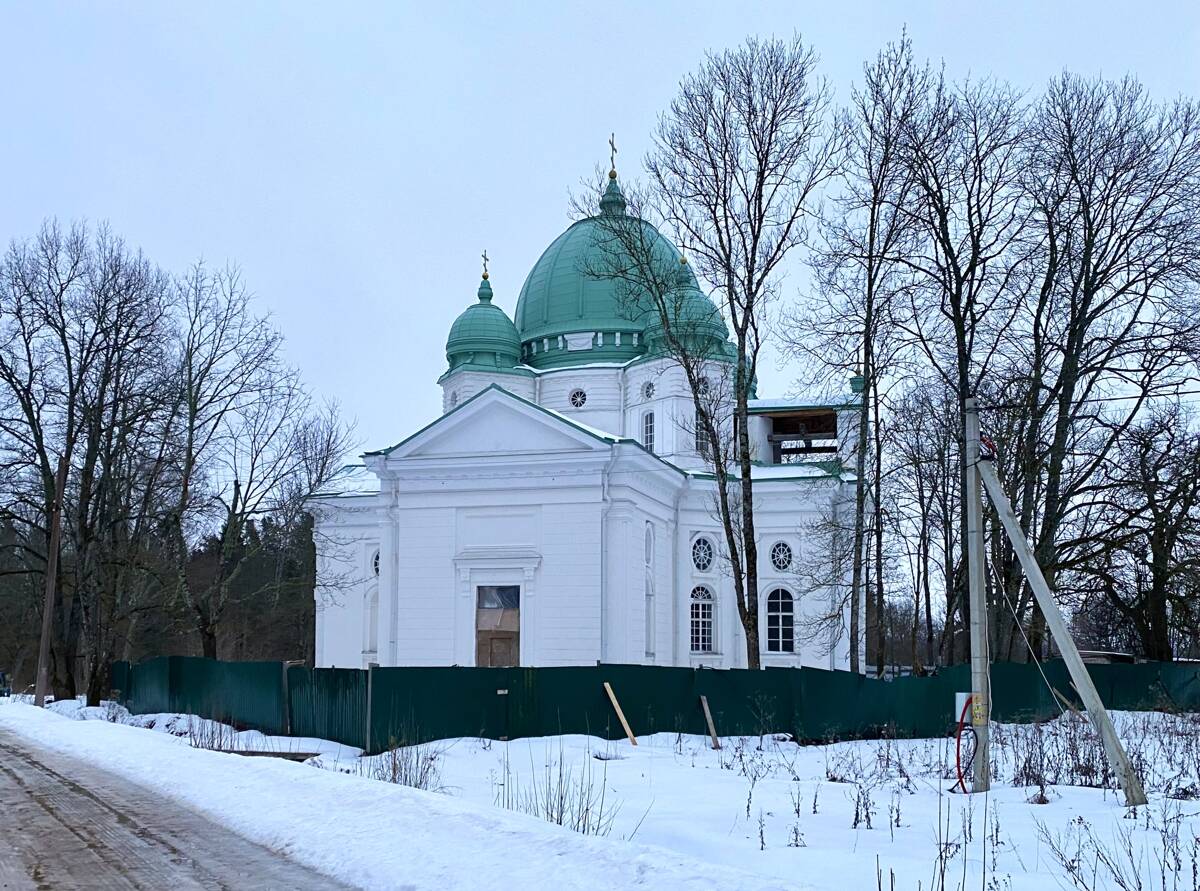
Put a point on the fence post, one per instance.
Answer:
(371, 666)
(287, 695)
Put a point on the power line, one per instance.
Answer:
(1102, 399)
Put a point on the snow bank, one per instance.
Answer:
(368, 833)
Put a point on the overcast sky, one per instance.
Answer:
(354, 159)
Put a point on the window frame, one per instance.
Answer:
(582, 397)
(702, 621)
(712, 553)
(777, 599)
(791, 556)
(648, 431)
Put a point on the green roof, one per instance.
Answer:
(560, 299)
(484, 338)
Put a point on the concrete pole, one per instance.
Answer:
(981, 692)
(43, 668)
(1130, 785)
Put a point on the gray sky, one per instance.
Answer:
(354, 159)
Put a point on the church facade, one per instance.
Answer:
(561, 510)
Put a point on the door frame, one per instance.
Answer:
(495, 566)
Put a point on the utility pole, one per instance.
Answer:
(43, 668)
(1130, 785)
(981, 692)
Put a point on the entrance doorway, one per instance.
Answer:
(498, 626)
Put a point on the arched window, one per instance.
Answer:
(701, 436)
(781, 556)
(648, 431)
(454, 399)
(780, 618)
(702, 554)
(702, 619)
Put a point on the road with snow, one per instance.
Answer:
(68, 824)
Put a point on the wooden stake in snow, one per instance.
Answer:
(712, 730)
(1130, 785)
(612, 697)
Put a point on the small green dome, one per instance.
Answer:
(483, 337)
(560, 300)
(694, 319)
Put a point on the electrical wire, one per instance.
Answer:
(1096, 399)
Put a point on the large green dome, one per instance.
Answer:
(483, 338)
(566, 316)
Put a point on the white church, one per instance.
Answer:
(560, 511)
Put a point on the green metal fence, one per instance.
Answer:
(244, 694)
(328, 703)
(385, 706)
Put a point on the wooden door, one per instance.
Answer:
(498, 626)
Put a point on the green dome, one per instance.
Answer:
(559, 300)
(696, 321)
(483, 338)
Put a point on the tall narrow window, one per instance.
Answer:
(371, 623)
(648, 431)
(702, 620)
(780, 618)
(701, 436)
(649, 591)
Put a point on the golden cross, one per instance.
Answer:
(612, 156)
(485, 262)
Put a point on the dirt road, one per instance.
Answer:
(66, 825)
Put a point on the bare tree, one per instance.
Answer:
(737, 161)
(1114, 180)
(964, 147)
(1144, 575)
(250, 445)
(848, 325)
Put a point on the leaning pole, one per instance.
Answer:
(1130, 784)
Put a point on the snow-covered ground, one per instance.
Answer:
(673, 813)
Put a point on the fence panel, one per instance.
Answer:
(329, 703)
(411, 705)
(150, 687)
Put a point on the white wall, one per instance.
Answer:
(460, 386)
(603, 409)
(347, 537)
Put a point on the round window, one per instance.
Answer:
(648, 390)
(578, 398)
(453, 400)
(781, 555)
(702, 554)
(375, 563)
(702, 386)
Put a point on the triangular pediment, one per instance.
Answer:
(495, 422)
